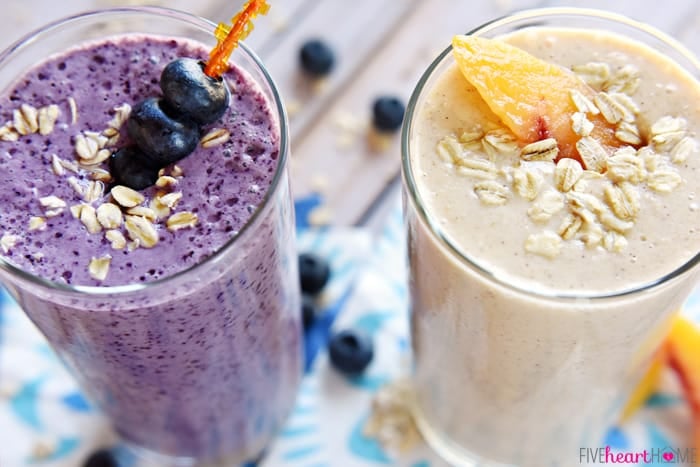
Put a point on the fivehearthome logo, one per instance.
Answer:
(668, 455)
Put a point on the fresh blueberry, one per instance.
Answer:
(350, 351)
(387, 113)
(308, 310)
(192, 93)
(100, 458)
(316, 57)
(162, 137)
(314, 272)
(130, 167)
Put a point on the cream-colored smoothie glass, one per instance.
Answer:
(505, 375)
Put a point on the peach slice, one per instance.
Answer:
(532, 97)
(648, 385)
(684, 357)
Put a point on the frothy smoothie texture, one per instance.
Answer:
(45, 182)
(558, 166)
(199, 356)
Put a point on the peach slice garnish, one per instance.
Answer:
(680, 352)
(684, 357)
(648, 385)
(532, 97)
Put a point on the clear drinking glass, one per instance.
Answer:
(478, 400)
(218, 402)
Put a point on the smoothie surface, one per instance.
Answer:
(221, 184)
(495, 228)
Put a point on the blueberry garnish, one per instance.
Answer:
(350, 351)
(316, 57)
(308, 310)
(100, 458)
(163, 138)
(387, 113)
(168, 129)
(192, 93)
(314, 272)
(130, 167)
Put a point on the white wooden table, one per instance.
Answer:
(382, 47)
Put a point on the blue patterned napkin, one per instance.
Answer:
(326, 429)
(46, 422)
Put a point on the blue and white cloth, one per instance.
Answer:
(46, 422)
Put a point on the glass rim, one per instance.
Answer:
(409, 181)
(276, 106)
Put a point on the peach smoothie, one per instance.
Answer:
(553, 233)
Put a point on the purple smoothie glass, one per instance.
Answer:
(200, 367)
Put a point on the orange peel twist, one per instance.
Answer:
(229, 36)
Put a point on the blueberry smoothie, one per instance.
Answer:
(176, 305)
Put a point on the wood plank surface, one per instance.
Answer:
(356, 173)
(352, 29)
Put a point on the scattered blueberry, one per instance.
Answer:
(257, 461)
(100, 458)
(130, 167)
(387, 113)
(308, 310)
(350, 351)
(192, 93)
(314, 272)
(163, 138)
(316, 57)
